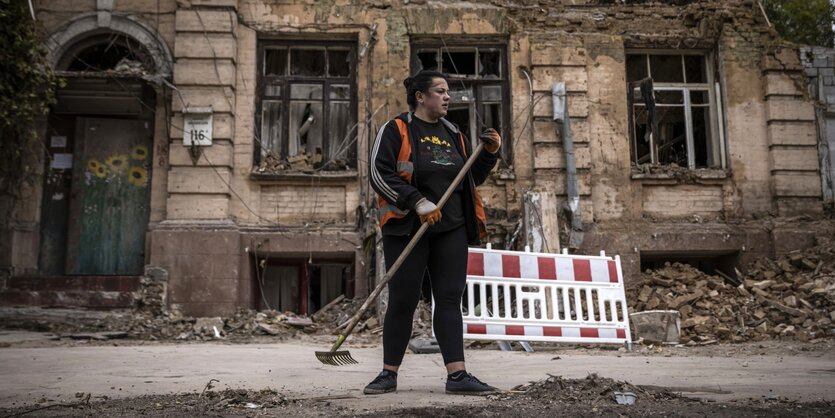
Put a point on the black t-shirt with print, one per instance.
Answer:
(438, 161)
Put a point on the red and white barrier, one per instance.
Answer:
(523, 296)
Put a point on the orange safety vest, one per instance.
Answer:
(405, 169)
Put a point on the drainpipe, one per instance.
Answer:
(563, 121)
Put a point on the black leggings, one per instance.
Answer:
(445, 255)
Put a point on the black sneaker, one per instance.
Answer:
(468, 385)
(385, 382)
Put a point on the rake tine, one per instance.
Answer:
(335, 358)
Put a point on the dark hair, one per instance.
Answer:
(420, 82)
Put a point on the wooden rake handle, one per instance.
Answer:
(406, 251)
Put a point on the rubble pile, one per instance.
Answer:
(303, 162)
(146, 324)
(792, 297)
(592, 390)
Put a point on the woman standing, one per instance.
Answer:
(414, 160)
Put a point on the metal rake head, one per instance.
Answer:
(335, 358)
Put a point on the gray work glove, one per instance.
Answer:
(427, 211)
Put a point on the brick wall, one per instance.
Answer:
(300, 204)
(683, 200)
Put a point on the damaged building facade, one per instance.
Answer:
(227, 141)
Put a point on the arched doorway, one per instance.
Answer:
(100, 133)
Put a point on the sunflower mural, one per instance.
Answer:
(117, 163)
(138, 176)
(97, 168)
(139, 153)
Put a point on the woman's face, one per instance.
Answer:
(435, 101)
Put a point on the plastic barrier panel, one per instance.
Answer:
(524, 296)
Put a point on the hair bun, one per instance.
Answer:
(407, 82)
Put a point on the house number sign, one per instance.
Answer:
(197, 126)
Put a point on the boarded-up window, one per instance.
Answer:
(678, 124)
(307, 107)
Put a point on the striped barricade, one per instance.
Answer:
(524, 296)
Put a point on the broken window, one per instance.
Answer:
(298, 286)
(307, 107)
(673, 118)
(107, 52)
(478, 86)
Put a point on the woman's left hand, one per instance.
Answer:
(492, 140)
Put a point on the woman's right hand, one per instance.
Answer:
(427, 211)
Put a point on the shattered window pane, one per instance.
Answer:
(666, 68)
(340, 92)
(306, 91)
(459, 63)
(114, 52)
(270, 127)
(305, 128)
(640, 119)
(341, 131)
(457, 95)
(705, 152)
(669, 97)
(275, 61)
(273, 90)
(492, 114)
(489, 63)
(459, 114)
(428, 59)
(491, 93)
(636, 67)
(671, 141)
(339, 63)
(694, 67)
(307, 62)
(699, 97)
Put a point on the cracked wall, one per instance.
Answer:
(584, 43)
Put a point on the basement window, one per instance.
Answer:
(478, 86)
(674, 119)
(300, 287)
(307, 107)
(709, 262)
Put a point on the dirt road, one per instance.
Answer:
(56, 374)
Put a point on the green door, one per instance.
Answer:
(110, 195)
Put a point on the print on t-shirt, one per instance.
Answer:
(440, 150)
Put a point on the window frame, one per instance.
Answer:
(474, 83)
(286, 80)
(716, 145)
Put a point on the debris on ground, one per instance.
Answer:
(792, 297)
(592, 390)
(171, 325)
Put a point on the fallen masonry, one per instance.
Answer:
(792, 297)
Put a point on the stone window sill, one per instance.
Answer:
(683, 175)
(345, 176)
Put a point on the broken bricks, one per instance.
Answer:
(791, 297)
